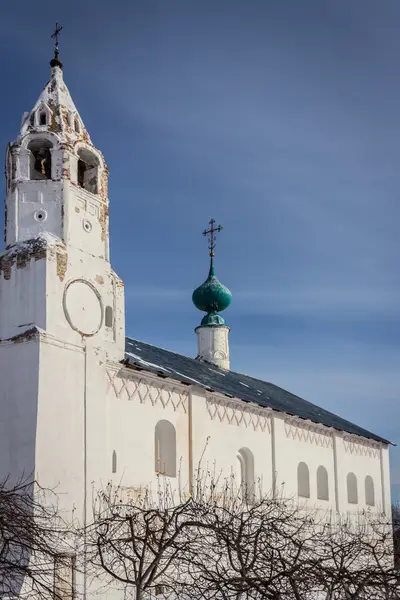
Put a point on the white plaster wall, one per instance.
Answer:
(362, 460)
(23, 298)
(295, 443)
(29, 198)
(18, 408)
(220, 428)
(59, 456)
(135, 403)
(213, 345)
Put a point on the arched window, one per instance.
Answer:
(322, 483)
(114, 462)
(40, 162)
(303, 480)
(369, 491)
(246, 473)
(108, 316)
(88, 167)
(352, 492)
(165, 448)
(77, 125)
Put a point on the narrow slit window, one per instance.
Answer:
(114, 462)
(109, 316)
(64, 577)
(42, 118)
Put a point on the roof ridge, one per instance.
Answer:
(263, 393)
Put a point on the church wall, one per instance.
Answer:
(299, 441)
(60, 423)
(18, 407)
(221, 427)
(136, 403)
(210, 431)
(361, 457)
(22, 276)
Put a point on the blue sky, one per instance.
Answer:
(280, 119)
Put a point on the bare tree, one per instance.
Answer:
(223, 543)
(396, 534)
(139, 542)
(30, 539)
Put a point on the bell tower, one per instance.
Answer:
(57, 205)
(62, 318)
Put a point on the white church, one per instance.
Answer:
(83, 405)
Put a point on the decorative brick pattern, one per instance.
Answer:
(308, 432)
(355, 445)
(129, 386)
(237, 413)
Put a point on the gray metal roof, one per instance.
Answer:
(191, 371)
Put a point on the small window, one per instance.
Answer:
(40, 161)
(87, 171)
(114, 462)
(77, 125)
(246, 473)
(369, 491)
(64, 577)
(322, 483)
(42, 118)
(165, 448)
(109, 316)
(303, 480)
(158, 589)
(352, 492)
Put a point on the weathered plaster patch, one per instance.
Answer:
(62, 262)
(103, 221)
(25, 336)
(21, 254)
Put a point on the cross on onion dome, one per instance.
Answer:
(212, 233)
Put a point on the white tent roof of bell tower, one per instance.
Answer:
(63, 113)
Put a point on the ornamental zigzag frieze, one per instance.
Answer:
(355, 445)
(236, 413)
(131, 387)
(308, 432)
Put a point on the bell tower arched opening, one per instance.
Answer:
(88, 167)
(40, 159)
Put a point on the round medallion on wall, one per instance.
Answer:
(40, 216)
(87, 226)
(83, 307)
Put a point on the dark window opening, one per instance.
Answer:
(40, 163)
(87, 171)
(114, 462)
(109, 316)
(42, 118)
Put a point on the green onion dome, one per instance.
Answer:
(212, 297)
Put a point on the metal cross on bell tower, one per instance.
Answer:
(212, 233)
(56, 61)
